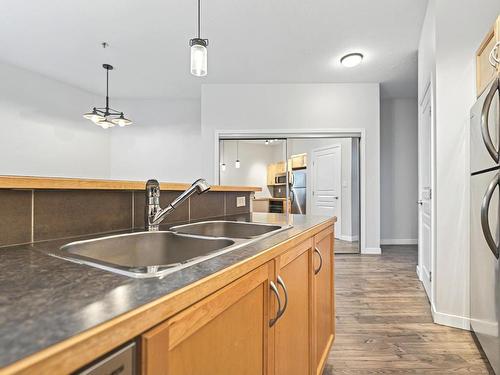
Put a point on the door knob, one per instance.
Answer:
(420, 202)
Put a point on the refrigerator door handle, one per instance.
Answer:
(485, 224)
(485, 113)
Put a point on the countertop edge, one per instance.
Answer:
(60, 183)
(98, 341)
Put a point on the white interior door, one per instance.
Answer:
(425, 193)
(326, 183)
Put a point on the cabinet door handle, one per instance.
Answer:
(320, 261)
(282, 283)
(274, 289)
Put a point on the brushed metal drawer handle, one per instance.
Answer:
(320, 261)
(274, 289)
(282, 283)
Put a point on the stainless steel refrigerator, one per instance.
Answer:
(298, 190)
(484, 224)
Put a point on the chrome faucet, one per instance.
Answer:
(154, 214)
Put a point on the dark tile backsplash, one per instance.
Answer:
(77, 212)
(15, 216)
(210, 204)
(68, 213)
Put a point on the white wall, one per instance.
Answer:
(452, 33)
(42, 131)
(254, 158)
(399, 171)
(301, 106)
(163, 143)
(299, 146)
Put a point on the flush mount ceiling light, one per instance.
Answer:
(198, 52)
(107, 117)
(351, 60)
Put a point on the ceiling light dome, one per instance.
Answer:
(352, 59)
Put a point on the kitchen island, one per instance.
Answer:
(57, 316)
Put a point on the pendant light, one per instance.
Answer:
(237, 163)
(198, 52)
(223, 165)
(107, 117)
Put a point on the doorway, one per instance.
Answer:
(425, 183)
(326, 176)
(300, 174)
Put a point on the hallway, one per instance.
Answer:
(384, 322)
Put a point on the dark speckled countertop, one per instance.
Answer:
(45, 300)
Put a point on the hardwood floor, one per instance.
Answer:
(346, 247)
(384, 323)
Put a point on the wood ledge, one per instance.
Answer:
(28, 182)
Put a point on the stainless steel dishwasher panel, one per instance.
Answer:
(120, 362)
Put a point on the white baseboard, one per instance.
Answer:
(418, 273)
(371, 251)
(450, 320)
(347, 238)
(399, 241)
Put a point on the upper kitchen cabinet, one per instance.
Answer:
(299, 161)
(487, 55)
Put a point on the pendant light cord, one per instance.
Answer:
(107, 90)
(199, 22)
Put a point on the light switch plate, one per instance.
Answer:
(240, 202)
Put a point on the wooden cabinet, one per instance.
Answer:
(292, 338)
(271, 173)
(276, 320)
(485, 71)
(323, 298)
(299, 161)
(295, 162)
(280, 167)
(225, 333)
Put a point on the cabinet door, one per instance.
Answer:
(271, 173)
(299, 161)
(225, 333)
(281, 167)
(292, 329)
(323, 305)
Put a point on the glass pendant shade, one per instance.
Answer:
(237, 164)
(121, 121)
(94, 116)
(105, 124)
(198, 60)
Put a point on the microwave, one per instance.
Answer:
(280, 178)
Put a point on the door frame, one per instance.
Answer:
(428, 92)
(308, 133)
(339, 218)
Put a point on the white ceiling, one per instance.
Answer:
(257, 41)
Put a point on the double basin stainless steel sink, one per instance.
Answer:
(156, 253)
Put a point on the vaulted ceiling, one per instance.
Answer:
(258, 41)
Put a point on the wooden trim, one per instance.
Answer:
(296, 252)
(27, 182)
(79, 350)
